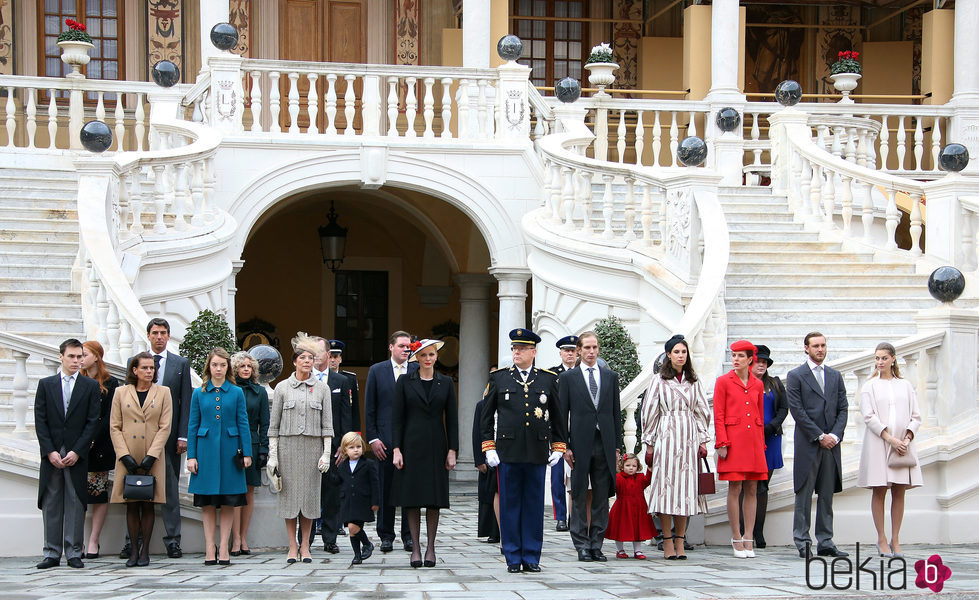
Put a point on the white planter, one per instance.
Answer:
(845, 83)
(601, 75)
(75, 55)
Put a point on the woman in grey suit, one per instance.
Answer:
(300, 430)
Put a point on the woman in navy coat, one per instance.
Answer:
(216, 432)
(425, 433)
(245, 370)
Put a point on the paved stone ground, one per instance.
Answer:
(468, 568)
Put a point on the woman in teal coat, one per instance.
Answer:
(217, 432)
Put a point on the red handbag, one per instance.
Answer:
(705, 480)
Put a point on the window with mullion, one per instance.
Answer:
(553, 48)
(101, 19)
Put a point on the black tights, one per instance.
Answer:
(139, 520)
(414, 517)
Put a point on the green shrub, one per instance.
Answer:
(619, 351)
(206, 332)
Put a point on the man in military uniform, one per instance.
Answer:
(336, 359)
(568, 349)
(527, 436)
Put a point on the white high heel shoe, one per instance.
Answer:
(738, 553)
(748, 552)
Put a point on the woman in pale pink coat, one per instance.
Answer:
(890, 410)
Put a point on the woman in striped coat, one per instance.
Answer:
(676, 421)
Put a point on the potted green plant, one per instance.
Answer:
(75, 42)
(206, 332)
(619, 351)
(601, 66)
(846, 73)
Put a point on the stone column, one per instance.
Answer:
(476, 22)
(965, 98)
(727, 156)
(212, 12)
(955, 368)
(474, 352)
(513, 306)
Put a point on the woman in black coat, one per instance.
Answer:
(360, 492)
(245, 369)
(101, 456)
(425, 435)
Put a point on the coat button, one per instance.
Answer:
(749, 426)
(527, 424)
(218, 417)
(217, 398)
(219, 407)
(526, 414)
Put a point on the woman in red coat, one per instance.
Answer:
(739, 428)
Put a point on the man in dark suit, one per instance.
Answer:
(588, 397)
(522, 434)
(340, 397)
(172, 371)
(66, 416)
(817, 401)
(378, 412)
(568, 349)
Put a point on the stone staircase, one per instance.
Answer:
(783, 282)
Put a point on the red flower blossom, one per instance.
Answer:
(75, 25)
(414, 346)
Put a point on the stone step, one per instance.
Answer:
(780, 238)
(800, 302)
(53, 245)
(766, 226)
(8, 257)
(829, 281)
(22, 236)
(49, 325)
(27, 271)
(752, 253)
(761, 267)
(42, 296)
(740, 191)
(759, 217)
(41, 310)
(51, 337)
(62, 284)
(777, 314)
(868, 291)
(764, 207)
(58, 221)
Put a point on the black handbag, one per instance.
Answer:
(139, 487)
(239, 459)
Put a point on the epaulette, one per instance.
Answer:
(486, 391)
(547, 371)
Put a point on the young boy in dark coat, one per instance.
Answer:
(360, 493)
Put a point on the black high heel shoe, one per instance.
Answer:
(143, 561)
(430, 563)
(133, 559)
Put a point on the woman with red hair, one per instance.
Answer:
(739, 427)
(101, 456)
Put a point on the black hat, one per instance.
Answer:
(763, 353)
(673, 341)
(568, 341)
(524, 336)
(337, 346)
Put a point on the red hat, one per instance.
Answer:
(743, 346)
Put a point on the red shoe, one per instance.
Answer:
(621, 554)
(639, 556)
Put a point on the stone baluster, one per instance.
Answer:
(863, 376)
(692, 124)
(100, 106)
(821, 135)
(197, 192)
(481, 108)
(586, 199)
(629, 427)
(795, 180)
(868, 211)
(916, 224)
(674, 139)
(429, 107)
(620, 137)
(275, 101)
(447, 110)
(490, 117)
(140, 127)
(11, 109)
(647, 215)
(968, 236)
(805, 189)
(256, 100)
(630, 209)
(52, 119)
(600, 144)
(462, 101)
(392, 107)
(160, 197)
(815, 190)
(862, 157)
(119, 117)
(885, 140)
(892, 217)
(901, 143)
(331, 104)
(837, 149)
(411, 106)
(112, 332)
(919, 144)
(181, 195)
(18, 394)
(657, 139)
(936, 143)
(829, 198)
(546, 188)
(929, 408)
(556, 184)
(125, 207)
(607, 207)
(313, 104)
(125, 340)
(293, 102)
(851, 145)
(136, 200)
(697, 348)
(567, 197)
(210, 182)
(31, 116)
(101, 316)
(640, 138)
(846, 203)
(349, 105)
(910, 369)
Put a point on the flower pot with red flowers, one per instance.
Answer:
(845, 74)
(75, 43)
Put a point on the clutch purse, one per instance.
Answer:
(139, 487)
(705, 479)
(275, 480)
(239, 459)
(896, 461)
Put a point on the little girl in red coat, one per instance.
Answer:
(629, 520)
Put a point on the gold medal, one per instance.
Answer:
(525, 388)
(506, 396)
(538, 412)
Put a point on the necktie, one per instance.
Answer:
(819, 378)
(523, 374)
(66, 392)
(157, 358)
(321, 375)
(593, 385)
(399, 372)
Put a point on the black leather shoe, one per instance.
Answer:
(356, 561)
(48, 562)
(492, 540)
(584, 556)
(597, 555)
(366, 550)
(513, 568)
(332, 548)
(802, 552)
(387, 546)
(409, 545)
(174, 551)
(531, 567)
(76, 563)
(126, 551)
(561, 526)
(836, 552)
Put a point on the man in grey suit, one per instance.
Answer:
(817, 401)
(66, 415)
(172, 371)
(589, 395)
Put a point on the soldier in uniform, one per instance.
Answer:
(523, 402)
(336, 358)
(568, 349)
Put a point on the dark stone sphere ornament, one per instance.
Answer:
(954, 157)
(567, 90)
(946, 284)
(728, 119)
(96, 136)
(788, 93)
(510, 47)
(692, 151)
(224, 36)
(165, 73)
(269, 362)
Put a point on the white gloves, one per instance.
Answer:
(555, 458)
(273, 462)
(327, 459)
(492, 458)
